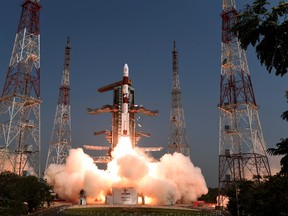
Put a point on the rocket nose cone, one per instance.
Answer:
(125, 71)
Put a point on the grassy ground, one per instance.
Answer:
(137, 211)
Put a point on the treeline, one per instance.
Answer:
(268, 197)
(20, 195)
(211, 196)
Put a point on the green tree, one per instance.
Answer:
(35, 192)
(282, 147)
(266, 29)
(268, 197)
(10, 198)
(211, 196)
(22, 194)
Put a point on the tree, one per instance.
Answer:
(10, 199)
(267, 31)
(282, 147)
(35, 192)
(268, 197)
(211, 196)
(22, 194)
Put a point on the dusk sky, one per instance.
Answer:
(106, 34)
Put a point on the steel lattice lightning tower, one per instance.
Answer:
(177, 141)
(61, 135)
(242, 151)
(20, 101)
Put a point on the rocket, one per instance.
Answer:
(125, 102)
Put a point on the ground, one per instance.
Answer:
(67, 209)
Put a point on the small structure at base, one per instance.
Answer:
(123, 196)
(82, 198)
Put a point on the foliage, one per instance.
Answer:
(34, 192)
(269, 197)
(22, 194)
(211, 196)
(284, 115)
(282, 147)
(267, 31)
(10, 201)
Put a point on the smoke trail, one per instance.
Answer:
(170, 179)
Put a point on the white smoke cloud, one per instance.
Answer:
(132, 167)
(173, 178)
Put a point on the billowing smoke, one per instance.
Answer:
(170, 179)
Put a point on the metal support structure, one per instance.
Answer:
(61, 135)
(242, 150)
(177, 140)
(20, 101)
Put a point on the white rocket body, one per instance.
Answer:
(125, 102)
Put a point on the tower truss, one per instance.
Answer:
(242, 150)
(177, 140)
(61, 135)
(20, 101)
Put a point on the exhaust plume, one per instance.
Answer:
(171, 179)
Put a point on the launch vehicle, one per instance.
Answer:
(123, 115)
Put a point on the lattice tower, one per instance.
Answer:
(177, 140)
(20, 101)
(242, 150)
(60, 143)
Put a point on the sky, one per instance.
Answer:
(106, 34)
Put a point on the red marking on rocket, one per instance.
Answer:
(125, 102)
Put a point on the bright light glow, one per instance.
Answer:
(148, 200)
(124, 147)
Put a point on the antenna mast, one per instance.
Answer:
(61, 135)
(177, 141)
(242, 150)
(20, 101)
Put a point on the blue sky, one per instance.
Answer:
(107, 34)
